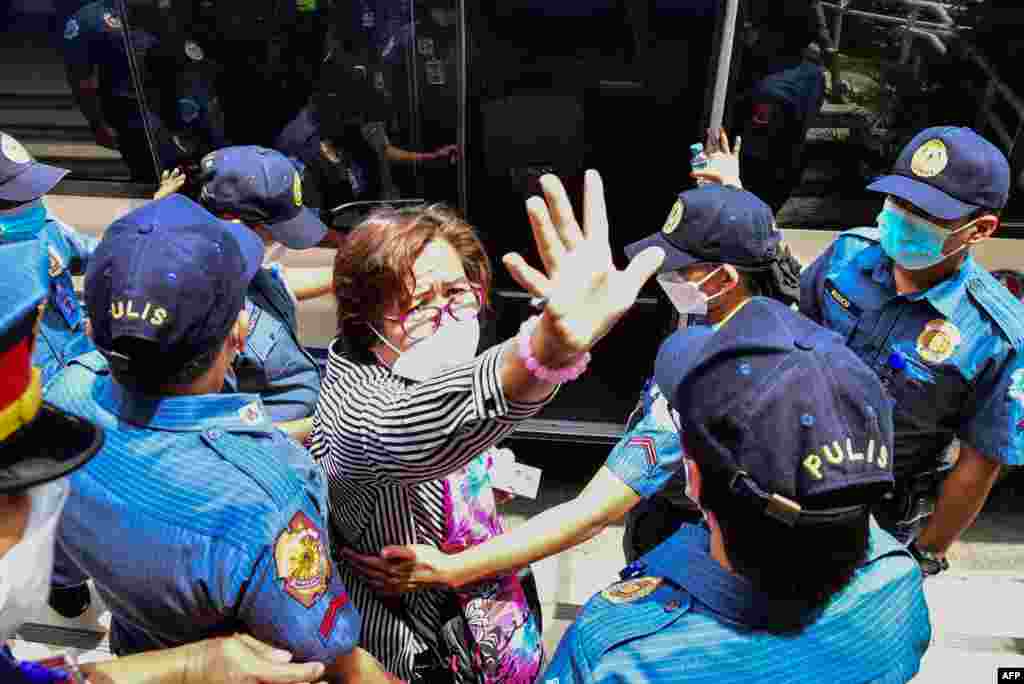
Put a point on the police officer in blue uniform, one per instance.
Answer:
(788, 441)
(213, 520)
(261, 188)
(945, 337)
(722, 248)
(97, 59)
(39, 446)
(23, 182)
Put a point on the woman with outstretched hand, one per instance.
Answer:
(408, 409)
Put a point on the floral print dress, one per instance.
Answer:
(505, 635)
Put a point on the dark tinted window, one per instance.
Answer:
(817, 130)
(66, 69)
(361, 95)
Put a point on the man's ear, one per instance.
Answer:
(240, 332)
(984, 229)
(693, 481)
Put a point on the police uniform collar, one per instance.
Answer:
(946, 295)
(685, 560)
(191, 413)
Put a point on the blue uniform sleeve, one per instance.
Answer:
(812, 286)
(294, 597)
(649, 454)
(82, 247)
(996, 427)
(568, 665)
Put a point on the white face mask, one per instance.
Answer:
(25, 570)
(687, 297)
(455, 342)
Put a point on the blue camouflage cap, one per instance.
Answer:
(22, 178)
(715, 223)
(260, 185)
(38, 443)
(171, 273)
(784, 410)
(949, 172)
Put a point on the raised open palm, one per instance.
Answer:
(586, 294)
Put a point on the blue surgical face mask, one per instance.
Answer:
(911, 241)
(23, 223)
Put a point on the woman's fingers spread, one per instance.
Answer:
(531, 280)
(545, 235)
(595, 212)
(561, 212)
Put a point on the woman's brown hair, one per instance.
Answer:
(374, 265)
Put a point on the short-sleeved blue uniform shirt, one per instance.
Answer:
(649, 454)
(199, 518)
(688, 619)
(950, 356)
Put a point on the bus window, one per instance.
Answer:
(68, 95)
(360, 95)
(825, 109)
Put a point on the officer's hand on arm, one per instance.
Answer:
(400, 569)
(240, 659)
(963, 494)
(723, 160)
(403, 569)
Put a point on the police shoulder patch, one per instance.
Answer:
(56, 263)
(112, 21)
(674, 217)
(71, 29)
(632, 589)
(303, 566)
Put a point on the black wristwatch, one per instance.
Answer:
(930, 563)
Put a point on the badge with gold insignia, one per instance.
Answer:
(938, 341)
(631, 590)
(930, 159)
(297, 190)
(674, 217)
(302, 562)
(56, 263)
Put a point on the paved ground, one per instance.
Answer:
(975, 607)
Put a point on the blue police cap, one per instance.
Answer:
(23, 179)
(171, 273)
(949, 172)
(784, 410)
(260, 185)
(38, 443)
(715, 223)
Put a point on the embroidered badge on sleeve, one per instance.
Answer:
(302, 562)
(631, 590)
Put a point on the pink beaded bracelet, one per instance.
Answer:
(552, 375)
